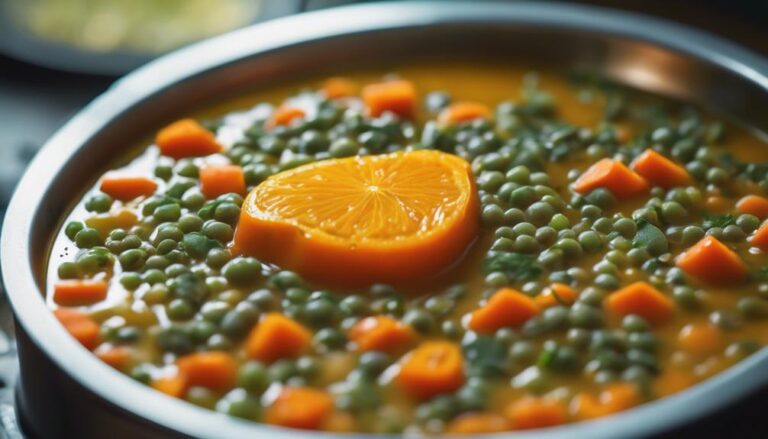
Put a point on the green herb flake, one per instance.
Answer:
(650, 238)
(721, 221)
(516, 266)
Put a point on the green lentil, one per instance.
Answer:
(130, 281)
(513, 216)
(733, 233)
(132, 259)
(524, 229)
(68, 270)
(540, 213)
(179, 309)
(167, 212)
(87, 237)
(523, 196)
(519, 174)
(217, 230)
(98, 203)
(590, 241)
(239, 404)
(559, 222)
(748, 223)
(753, 307)
(526, 244)
(492, 215)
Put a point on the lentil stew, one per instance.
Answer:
(595, 249)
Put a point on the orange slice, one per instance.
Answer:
(359, 220)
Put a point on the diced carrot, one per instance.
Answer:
(586, 406)
(339, 422)
(506, 308)
(214, 370)
(536, 412)
(300, 407)
(478, 422)
(126, 187)
(334, 88)
(760, 238)
(672, 381)
(219, 180)
(398, 97)
(614, 176)
(620, 396)
(712, 261)
(700, 338)
(118, 357)
(556, 294)
(186, 138)
(660, 171)
(753, 205)
(284, 115)
(175, 385)
(615, 398)
(380, 333)
(464, 112)
(432, 368)
(642, 299)
(717, 204)
(275, 337)
(79, 292)
(79, 325)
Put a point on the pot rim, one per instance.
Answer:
(32, 313)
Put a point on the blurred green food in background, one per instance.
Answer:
(148, 26)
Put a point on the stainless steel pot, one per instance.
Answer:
(66, 392)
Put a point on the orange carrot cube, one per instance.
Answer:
(380, 333)
(334, 88)
(175, 386)
(220, 180)
(79, 292)
(284, 115)
(712, 261)
(615, 398)
(753, 205)
(214, 370)
(660, 171)
(700, 338)
(126, 188)
(398, 97)
(81, 326)
(614, 176)
(506, 308)
(642, 299)
(300, 407)
(275, 337)
(432, 368)
(536, 412)
(118, 357)
(478, 422)
(556, 294)
(759, 239)
(464, 112)
(186, 138)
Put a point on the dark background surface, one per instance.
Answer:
(35, 101)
